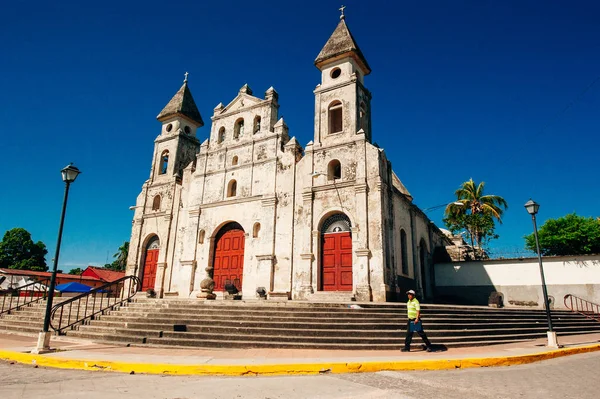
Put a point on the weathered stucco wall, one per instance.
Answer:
(288, 193)
(519, 280)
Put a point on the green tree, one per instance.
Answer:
(120, 262)
(18, 251)
(76, 271)
(475, 212)
(567, 235)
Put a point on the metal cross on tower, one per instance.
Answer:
(186, 76)
(342, 8)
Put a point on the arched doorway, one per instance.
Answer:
(228, 261)
(150, 261)
(336, 254)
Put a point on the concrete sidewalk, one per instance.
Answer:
(86, 355)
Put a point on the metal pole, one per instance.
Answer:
(546, 302)
(54, 267)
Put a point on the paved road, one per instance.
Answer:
(569, 377)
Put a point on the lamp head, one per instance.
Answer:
(70, 173)
(532, 207)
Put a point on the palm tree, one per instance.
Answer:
(471, 202)
(121, 256)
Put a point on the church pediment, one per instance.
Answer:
(240, 102)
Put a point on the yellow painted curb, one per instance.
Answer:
(292, 368)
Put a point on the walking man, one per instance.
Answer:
(414, 324)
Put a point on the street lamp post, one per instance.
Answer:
(532, 208)
(69, 174)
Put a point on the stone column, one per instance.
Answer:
(360, 244)
(307, 257)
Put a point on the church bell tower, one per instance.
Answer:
(342, 103)
(177, 144)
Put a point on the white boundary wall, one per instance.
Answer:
(519, 280)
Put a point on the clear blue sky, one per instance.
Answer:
(485, 89)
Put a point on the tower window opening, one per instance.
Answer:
(335, 73)
(164, 162)
(221, 137)
(334, 170)
(238, 129)
(156, 203)
(255, 230)
(363, 117)
(234, 161)
(335, 117)
(232, 189)
(256, 124)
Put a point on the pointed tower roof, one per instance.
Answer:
(341, 44)
(182, 103)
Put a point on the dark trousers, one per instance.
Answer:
(409, 336)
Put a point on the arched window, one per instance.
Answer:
(238, 129)
(335, 117)
(156, 203)
(256, 128)
(232, 189)
(164, 162)
(234, 160)
(221, 137)
(404, 249)
(334, 170)
(336, 223)
(201, 237)
(256, 230)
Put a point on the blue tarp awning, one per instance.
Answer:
(73, 287)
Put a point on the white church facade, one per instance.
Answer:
(250, 207)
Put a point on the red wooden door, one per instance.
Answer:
(336, 262)
(149, 277)
(229, 258)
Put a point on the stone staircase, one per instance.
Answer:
(265, 324)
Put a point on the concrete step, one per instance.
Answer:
(172, 324)
(188, 312)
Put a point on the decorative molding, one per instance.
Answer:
(194, 212)
(153, 215)
(360, 188)
(226, 169)
(307, 196)
(349, 145)
(333, 186)
(161, 265)
(168, 217)
(360, 252)
(231, 202)
(308, 256)
(269, 201)
(262, 258)
(187, 263)
(316, 233)
(278, 295)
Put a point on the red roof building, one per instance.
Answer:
(105, 275)
(61, 278)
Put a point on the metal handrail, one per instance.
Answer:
(33, 293)
(586, 308)
(80, 309)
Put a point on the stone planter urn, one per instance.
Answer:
(207, 286)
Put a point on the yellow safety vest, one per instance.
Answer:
(413, 307)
